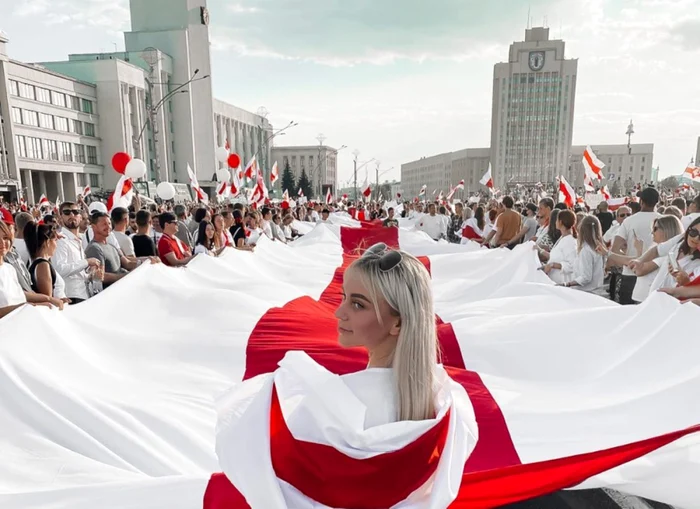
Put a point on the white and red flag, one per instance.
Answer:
(460, 186)
(223, 190)
(300, 193)
(236, 183)
(487, 179)
(43, 200)
(452, 192)
(566, 192)
(251, 169)
(605, 193)
(274, 174)
(329, 197)
(423, 190)
(87, 191)
(367, 189)
(588, 183)
(440, 196)
(260, 194)
(198, 191)
(592, 165)
(692, 173)
(122, 195)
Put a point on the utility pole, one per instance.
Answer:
(355, 153)
(376, 188)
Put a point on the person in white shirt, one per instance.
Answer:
(120, 221)
(620, 216)
(589, 267)
(432, 224)
(315, 217)
(277, 232)
(21, 221)
(636, 228)
(266, 220)
(69, 258)
(562, 258)
(693, 213)
(682, 254)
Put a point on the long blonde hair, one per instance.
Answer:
(406, 288)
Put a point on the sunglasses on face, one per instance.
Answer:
(693, 232)
(388, 259)
(68, 212)
(622, 216)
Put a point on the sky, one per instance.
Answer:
(397, 80)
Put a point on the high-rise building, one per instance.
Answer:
(532, 111)
(444, 171)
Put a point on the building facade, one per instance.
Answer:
(622, 165)
(444, 171)
(63, 121)
(319, 162)
(50, 139)
(533, 110)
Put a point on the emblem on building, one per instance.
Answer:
(536, 60)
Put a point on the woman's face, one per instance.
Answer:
(5, 244)
(658, 234)
(358, 324)
(51, 246)
(694, 242)
(209, 231)
(219, 223)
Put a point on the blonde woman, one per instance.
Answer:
(402, 397)
(589, 267)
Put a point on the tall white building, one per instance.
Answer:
(533, 110)
(80, 112)
(320, 163)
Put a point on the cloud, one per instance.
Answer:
(687, 34)
(112, 15)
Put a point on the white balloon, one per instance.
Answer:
(135, 169)
(223, 175)
(166, 191)
(222, 154)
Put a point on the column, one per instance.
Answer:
(59, 187)
(29, 186)
(42, 183)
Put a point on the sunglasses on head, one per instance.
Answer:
(68, 212)
(388, 259)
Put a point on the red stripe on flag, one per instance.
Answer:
(595, 169)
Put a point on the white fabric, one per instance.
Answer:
(108, 412)
(563, 253)
(688, 220)
(70, 263)
(11, 292)
(200, 249)
(643, 286)
(611, 233)
(589, 270)
(637, 227)
(323, 408)
(21, 246)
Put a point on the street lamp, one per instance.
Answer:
(319, 162)
(278, 132)
(153, 111)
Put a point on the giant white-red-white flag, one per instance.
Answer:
(592, 165)
(566, 192)
(194, 184)
(274, 174)
(122, 195)
(487, 179)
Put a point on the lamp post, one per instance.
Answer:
(279, 132)
(377, 175)
(153, 112)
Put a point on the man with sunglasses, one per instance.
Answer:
(69, 259)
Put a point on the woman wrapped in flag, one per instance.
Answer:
(398, 432)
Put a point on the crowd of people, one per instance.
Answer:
(65, 255)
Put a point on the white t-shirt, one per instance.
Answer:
(637, 226)
(11, 292)
(434, 226)
(200, 249)
(669, 249)
(563, 253)
(125, 243)
(22, 251)
(688, 220)
(643, 286)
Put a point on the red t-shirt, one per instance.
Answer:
(167, 245)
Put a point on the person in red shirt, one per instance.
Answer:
(171, 250)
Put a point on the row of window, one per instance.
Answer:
(53, 122)
(44, 95)
(30, 147)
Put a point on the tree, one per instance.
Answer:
(670, 183)
(288, 181)
(305, 185)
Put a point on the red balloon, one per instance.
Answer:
(119, 161)
(234, 161)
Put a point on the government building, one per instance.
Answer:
(63, 121)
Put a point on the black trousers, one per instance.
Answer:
(74, 300)
(626, 289)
